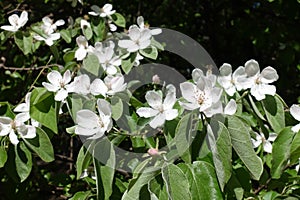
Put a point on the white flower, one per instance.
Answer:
(108, 60)
(10, 127)
(111, 26)
(59, 84)
(49, 27)
(110, 86)
(295, 112)
(231, 82)
(80, 85)
(49, 39)
(260, 139)
(24, 108)
(83, 49)
(139, 39)
(141, 24)
(259, 82)
(203, 96)
(159, 109)
(16, 22)
(92, 125)
(105, 11)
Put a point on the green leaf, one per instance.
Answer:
(150, 52)
(66, 35)
(104, 162)
(81, 195)
(43, 108)
(118, 19)
(87, 32)
(69, 56)
(241, 142)
(117, 107)
(281, 152)
(176, 182)
(255, 108)
(3, 156)
(295, 149)
(91, 66)
(274, 110)
(24, 42)
(41, 145)
(157, 188)
(221, 150)
(6, 110)
(128, 64)
(202, 180)
(136, 184)
(184, 133)
(23, 161)
(55, 52)
(83, 159)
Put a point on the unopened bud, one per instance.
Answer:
(153, 152)
(156, 79)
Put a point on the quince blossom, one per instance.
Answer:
(92, 125)
(231, 82)
(105, 54)
(260, 139)
(83, 49)
(105, 11)
(141, 24)
(49, 27)
(139, 39)
(259, 82)
(295, 112)
(16, 22)
(59, 84)
(48, 38)
(160, 110)
(203, 96)
(110, 86)
(12, 127)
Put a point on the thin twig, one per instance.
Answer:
(28, 68)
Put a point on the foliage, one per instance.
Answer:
(205, 143)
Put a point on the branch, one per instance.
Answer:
(28, 68)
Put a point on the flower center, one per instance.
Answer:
(200, 96)
(100, 122)
(257, 81)
(13, 124)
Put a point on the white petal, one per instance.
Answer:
(251, 68)
(256, 93)
(31, 132)
(79, 130)
(158, 121)
(54, 77)
(133, 48)
(126, 43)
(169, 100)
(272, 137)
(267, 89)
(171, 114)
(80, 53)
(255, 143)
(61, 95)
(5, 120)
(187, 91)
(269, 75)
(4, 129)
(86, 118)
(154, 99)
(22, 117)
(267, 147)
(67, 77)
(144, 44)
(140, 21)
(13, 19)
(145, 35)
(13, 138)
(146, 112)
(295, 111)
(230, 90)
(50, 87)
(189, 106)
(104, 107)
(59, 22)
(23, 18)
(98, 87)
(296, 128)
(225, 70)
(156, 31)
(23, 107)
(196, 74)
(230, 108)
(216, 108)
(134, 33)
(9, 28)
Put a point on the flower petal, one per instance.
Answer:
(154, 99)
(230, 108)
(13, 137)
(146, 112)
(61, 95)
(98, 87)
(251, 67)
(158, 121)
(86, 118)
(295, 111)
(187, 91)
(171, 114)
(269, 75)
